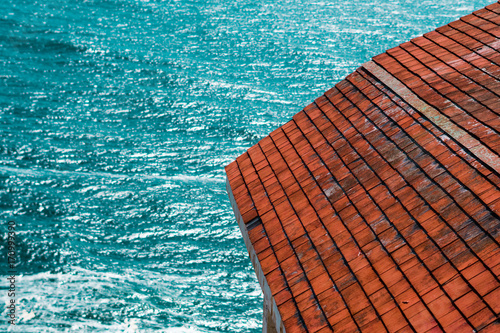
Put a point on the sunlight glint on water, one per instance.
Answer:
(117, 118)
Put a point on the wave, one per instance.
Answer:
(63, 173)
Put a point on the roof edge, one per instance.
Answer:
(269, 300)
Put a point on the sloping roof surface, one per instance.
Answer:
(376, 208)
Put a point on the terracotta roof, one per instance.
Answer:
(376, 208)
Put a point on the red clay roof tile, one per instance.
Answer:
(367, 212)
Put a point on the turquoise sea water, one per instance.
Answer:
(116, 120)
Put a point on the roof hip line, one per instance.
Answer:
(437, 118)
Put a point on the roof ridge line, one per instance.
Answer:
(437, 118)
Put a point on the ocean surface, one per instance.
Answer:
(117, 118)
